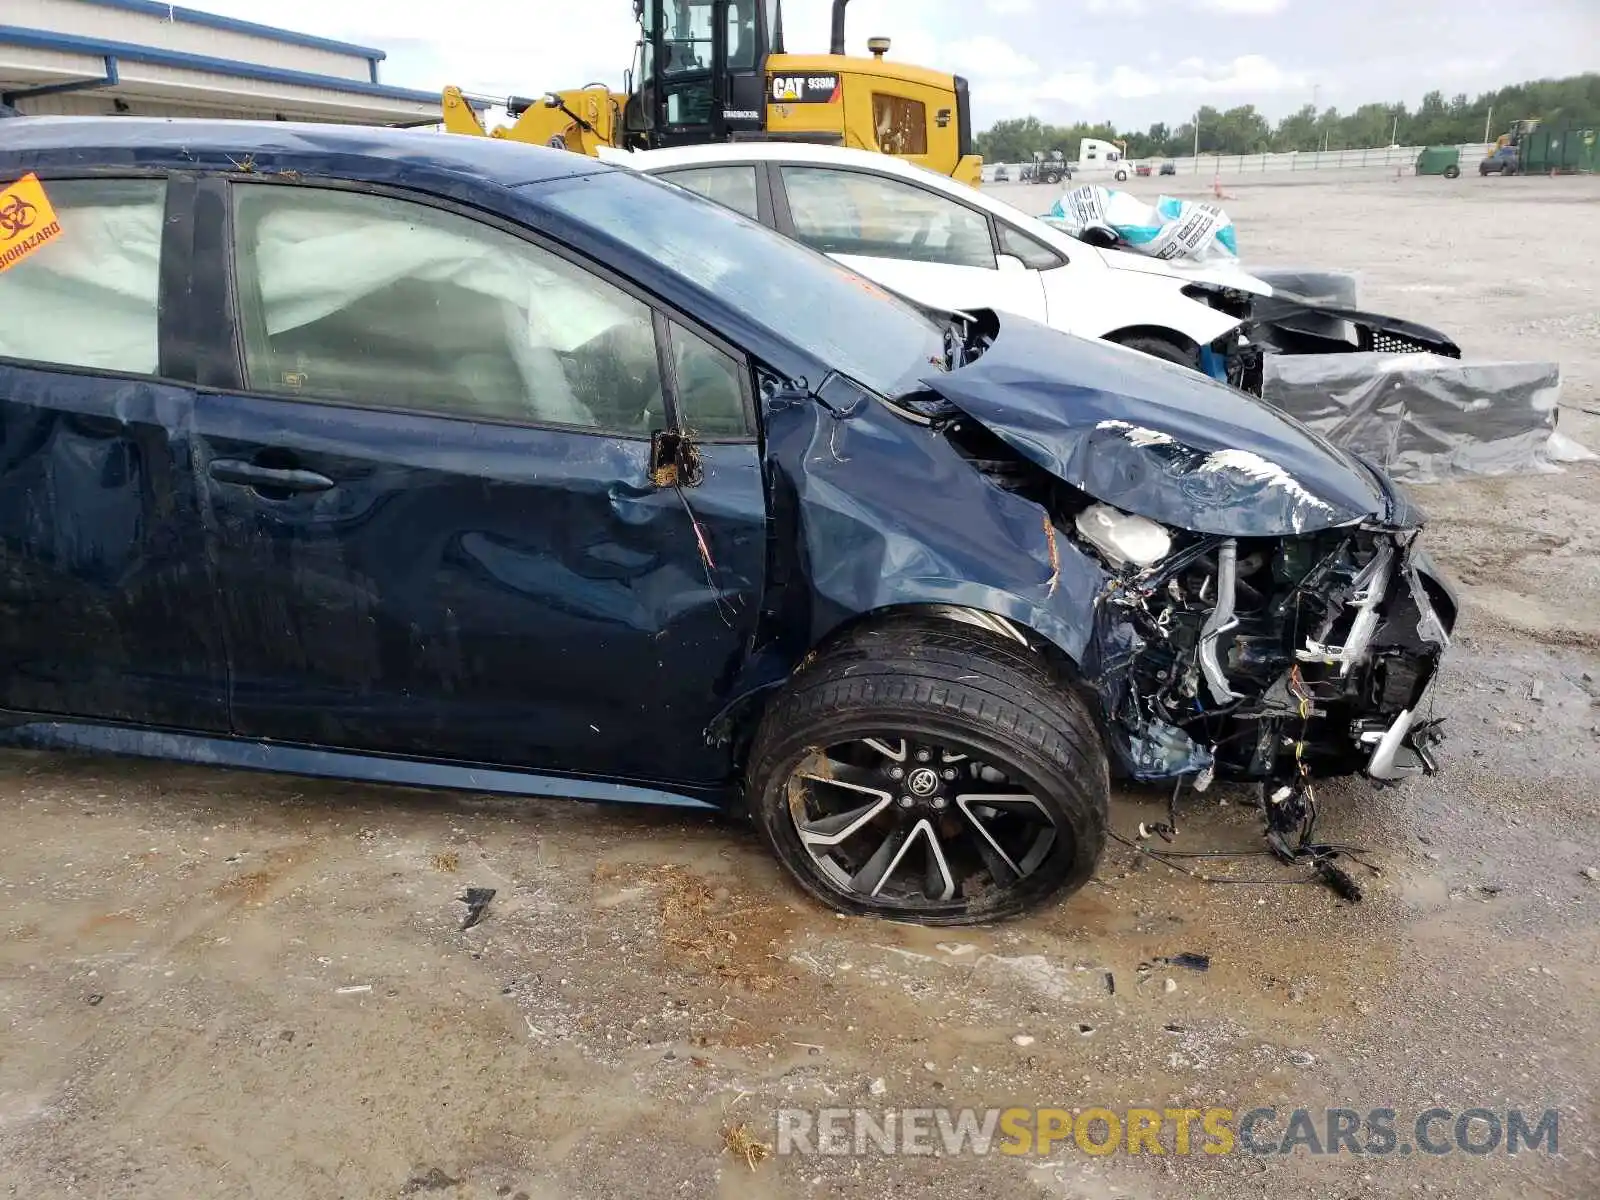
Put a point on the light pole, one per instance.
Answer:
(1488, 122)
(1394, 133)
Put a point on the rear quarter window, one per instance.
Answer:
(732, 187)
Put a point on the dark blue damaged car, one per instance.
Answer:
(453, 462)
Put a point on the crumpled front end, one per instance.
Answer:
(1266, 611)
(1275, 658)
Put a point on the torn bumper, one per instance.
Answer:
(1285, 325)
(1279, 326)
(1395, 755)
(1404, 747)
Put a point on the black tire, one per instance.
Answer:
(1121, 176)
(957, 688)
(1162, 348)
(1452, 172)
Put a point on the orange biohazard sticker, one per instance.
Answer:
(27, 220)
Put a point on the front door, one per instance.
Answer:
(910, 239)
(107, 603)
(433, 500)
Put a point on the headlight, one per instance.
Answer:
(1122, 537)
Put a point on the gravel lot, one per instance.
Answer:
(223, 985)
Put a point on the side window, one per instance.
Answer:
(1033, 254)
(87, 296)
(710, 398)
(902, 124)
(852, 212)
(384, 303)
(731, 187)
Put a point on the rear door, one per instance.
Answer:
(913, 240)
(433, 502)
(107, 600)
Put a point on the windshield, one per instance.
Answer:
(846, 321)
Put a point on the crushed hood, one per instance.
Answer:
(1159, 440)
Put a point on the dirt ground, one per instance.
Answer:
(223, 985)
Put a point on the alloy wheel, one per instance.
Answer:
(917, 824)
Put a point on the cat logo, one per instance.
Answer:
(805, 89)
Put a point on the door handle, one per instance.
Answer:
(278, 479)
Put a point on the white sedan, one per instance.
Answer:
(949, 246)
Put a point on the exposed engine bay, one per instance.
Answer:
(1253, 658)
(1271, 660)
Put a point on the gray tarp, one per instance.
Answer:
(1423, 417)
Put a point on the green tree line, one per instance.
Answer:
(1243, 130)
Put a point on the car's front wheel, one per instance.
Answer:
(1162, 348)
(927, 770)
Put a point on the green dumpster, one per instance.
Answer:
(1439, 160)
(1562, 147)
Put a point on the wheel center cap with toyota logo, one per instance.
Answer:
(922, 782)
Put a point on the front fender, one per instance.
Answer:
(1106, 301)
(880, 512)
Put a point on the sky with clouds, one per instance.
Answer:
(1128, 61)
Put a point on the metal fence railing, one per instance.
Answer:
(1317, 160)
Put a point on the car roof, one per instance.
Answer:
(807, 152)
(98, 141)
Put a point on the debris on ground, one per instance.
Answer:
(1189, 962)
(432, 1180)
(708, 929)
(1302, 1058)
(1536, 691)
(1592, 874)
(1339, 880)
(354, 989)
(1022, 1039)
(1171, 985)
(448, 862)
(737, 1140)
(477, 902)
(878, 1087)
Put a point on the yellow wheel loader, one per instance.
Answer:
(716, 71)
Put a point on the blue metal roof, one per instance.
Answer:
(190, 16)
(39, 39)
(347, 151)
